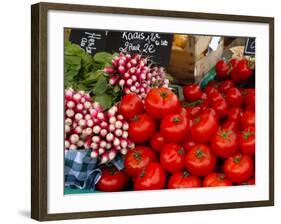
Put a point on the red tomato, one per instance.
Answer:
(183, 112)
(222, 69)
(152, 177)
(160, 102)
(238, 168)
(183, 180)
(157, 142)
(234, 76)
(204, 101)
(225, 143)
(193, 111)
(192, 92)
(210, 90)
(112, 180)
(204, 96)
(247, 141)
(235, 114)
(138, 158)
(172, 158)
(187, 145)
(248, 119)
(211, 111)
(234, 97)
(188, 114)
(233, 62)
(249, 99)
(130, 106)
(200, 160)
(216, 180)
(221, 107)
(174, 128)
(141, 128)
(230, 125)
(194, 108)
(242, 71)
(203, 128)
(225, 85)
(214, 96)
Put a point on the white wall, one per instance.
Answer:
(15, 111)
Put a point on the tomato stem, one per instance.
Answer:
(192, 104)
(244, 93)
(142, 174)
(221, 176)
(164, 94)
(237, 159)
(176, 120)
(185, 173)
(199, 153)
(181, 151)
(112, 170)
(247, 134)
(135, 118)
(225, 134)
(251, 63)
(137, 156)
(197, 120)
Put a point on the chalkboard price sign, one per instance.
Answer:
(92, 41)
(250, 46)
(157, 46)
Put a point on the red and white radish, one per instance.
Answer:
(87, 126)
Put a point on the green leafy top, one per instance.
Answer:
(85, 72)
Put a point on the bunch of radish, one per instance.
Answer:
(87, 126)
(136, 74)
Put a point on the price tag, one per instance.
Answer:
(250, 46)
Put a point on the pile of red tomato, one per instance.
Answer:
(206, 140)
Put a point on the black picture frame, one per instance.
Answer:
(39, 107)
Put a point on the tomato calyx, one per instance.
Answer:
(237, 159)
(112, 171)
(137, 156)
(164, 95)
(185, 174)
(197, 120)
(225, 134)
(136, 118)
(221, 176)
(244, 93)
(192, 104)
(199, 153)
(176, 120)
(251, 63)
(142, 174)
(247, 134)
(181, 151)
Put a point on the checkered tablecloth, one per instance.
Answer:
(80, 169)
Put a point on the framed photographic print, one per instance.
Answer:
(138, 111)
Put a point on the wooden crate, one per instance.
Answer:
(189, 60)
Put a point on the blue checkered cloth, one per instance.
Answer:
(80, 169)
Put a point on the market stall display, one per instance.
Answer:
(144, 134)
